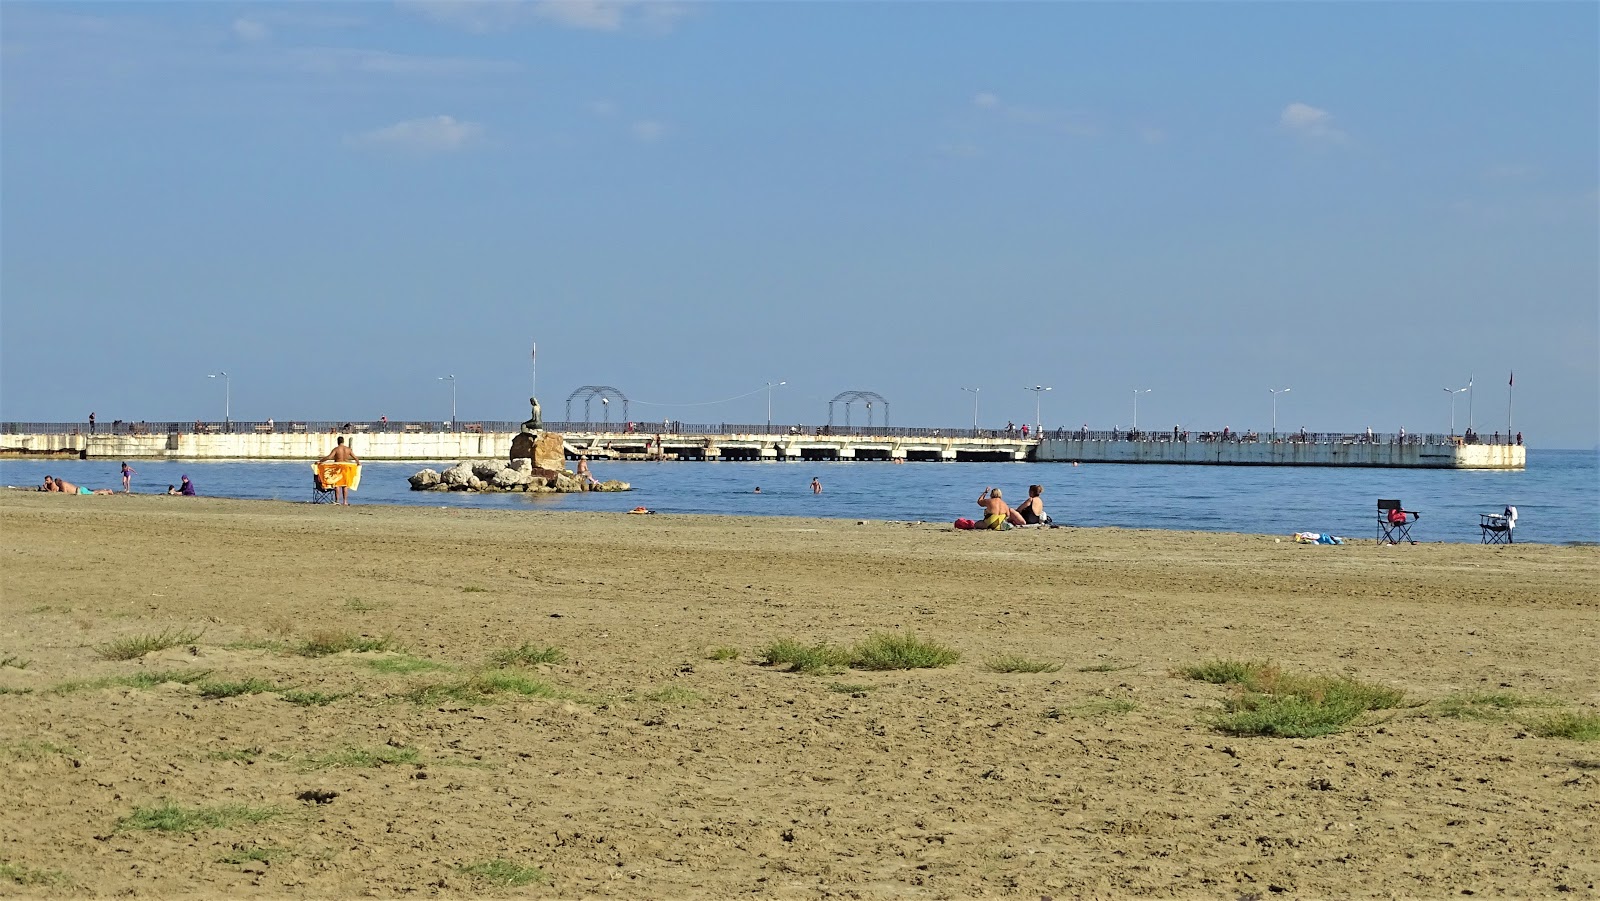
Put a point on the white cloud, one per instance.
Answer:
(985, 101)
(484, 16)
(648, 130)
(250, 30)
(427, 136)
(1309, 122)
(1061, 121)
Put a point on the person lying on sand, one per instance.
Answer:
(65, 487)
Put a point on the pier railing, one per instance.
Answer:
(678, 427)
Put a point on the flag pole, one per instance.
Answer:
(533, 358)
(1511, 384)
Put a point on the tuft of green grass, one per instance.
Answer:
(137, 680)
(502, 872)
(218, 690)
(486, 687)
(1090, 709)
(34, 749)
(723, 653)
(257, 644)
(674, 694)
(241, 854)
(12, 690)
(403, 664)
(1486, 705)
(528, 654)
(887, 651)
(169, 817)
(22, 875)
(1106, 667)
(364, 758)
(307, 698)
(136, 646)
(847, 688)
(473, 589)
(1225, 672)
(1575, 726)
(240, 754)
(357, 605)
(1015, 664)
(803, 658)
(324, 644)
(14, 662)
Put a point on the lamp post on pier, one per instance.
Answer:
(975, 392)
(1136, 393)
(770, 386)
(227, 396)
(452, 380)
(1275, 393)
(1038, 421)
(1453, 392)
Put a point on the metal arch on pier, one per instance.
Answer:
(606, 393)
(849, 397)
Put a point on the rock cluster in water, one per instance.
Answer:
(518, 475)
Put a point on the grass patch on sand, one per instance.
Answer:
(13, 690)
(35, 749)
(1106, 667)
(804, 658)
(403, 664)
(357, 605)
(723, 653)
(324, 644)
(1269, 702)
(528, 654)
(136, 646)
(306, 698)
(884, 651)
(137, 680)
(486, 688)
(1091, 709)
(1575, 726)
(1486, 705)
(218, 690)
(21, 875)
(502, 872)
(473, 589)
(849, 688)
(1015, 664)
(14, 662)
(169, 817)
(673, 694)
(244, 755)
(364, 758)
(242, 854)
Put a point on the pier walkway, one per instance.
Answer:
(440, 442)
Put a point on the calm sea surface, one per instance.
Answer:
(1557, 496)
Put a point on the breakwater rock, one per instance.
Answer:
(519, 475)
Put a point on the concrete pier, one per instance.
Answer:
(910, 445)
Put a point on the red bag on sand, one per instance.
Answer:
(964, 523)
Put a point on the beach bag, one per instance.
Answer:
(964, 523)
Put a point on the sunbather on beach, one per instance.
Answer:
(65, 487)
(1032, 509)
(997, 514)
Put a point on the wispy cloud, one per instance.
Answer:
(1064, 122)
(648, 131)
(424, 137)
(339, 60)
(484, 16)
(1311, 123)
(250, 30)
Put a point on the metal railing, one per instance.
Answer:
(678, 427)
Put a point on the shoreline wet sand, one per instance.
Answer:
(347, 657)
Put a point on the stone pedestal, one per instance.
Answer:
(547, 450)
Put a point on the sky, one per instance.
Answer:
(338, 204)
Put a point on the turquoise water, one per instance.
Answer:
(1557, 496)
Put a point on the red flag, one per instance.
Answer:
(1513, 382)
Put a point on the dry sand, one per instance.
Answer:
(659, 772)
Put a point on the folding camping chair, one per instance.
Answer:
(319, 494)
(1393, 526)
(1497, 527)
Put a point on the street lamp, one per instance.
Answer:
(452, 380)
(227, 396)
(770, 386)
(605, 409)
(1453, 392)
(1136, 393)
(974, 406)
(1038, 423)
(1275, 393)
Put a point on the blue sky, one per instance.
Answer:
(337, 204)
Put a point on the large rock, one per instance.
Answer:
(510, 479)
(424, 480)
(457, 477)
(547, 450)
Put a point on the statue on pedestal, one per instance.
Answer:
(535, 424)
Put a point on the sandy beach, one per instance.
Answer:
(331, 716)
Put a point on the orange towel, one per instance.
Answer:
(338, 475)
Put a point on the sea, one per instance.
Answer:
(1557, 496)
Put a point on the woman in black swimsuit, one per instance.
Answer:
(1032, 509)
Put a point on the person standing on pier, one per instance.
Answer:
(91, 422)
